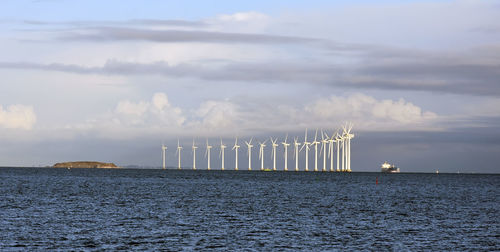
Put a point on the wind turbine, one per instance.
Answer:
(338, 138)
(207, 154)
(274, 145)
(331, 140)
(315, 142)
(324, 141)
(249, 147)
(348, 155)
(235, 148)
(261, 154)
(296, 153)
(222, 147)
(342, 138)
(163, 150)
(306, 145)
(285, 145)
(179, 148)
(194, 155)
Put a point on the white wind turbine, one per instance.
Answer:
(235, 148)
(178, 152)
(261, 154)
(296, 153)
(249, 147)
(285, 145)
(315, 142)
(207, 154)
(342, 138)
(194, 147)
(163, 150)
(274, 145)
(222, 148)
(324, 141)
(338, 138)
(349, 136)
(331, 140)
(306, 145)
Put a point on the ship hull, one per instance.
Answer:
(390, 170)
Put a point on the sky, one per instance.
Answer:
(112, 80)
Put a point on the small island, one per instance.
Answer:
(85, 164)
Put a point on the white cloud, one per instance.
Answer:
(241, 22)
(17, 117)
(369, 111)
(243, 16)
(400, 111)
(157, 112)
(130, 108)
(218, 114)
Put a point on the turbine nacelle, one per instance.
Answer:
(236, 146)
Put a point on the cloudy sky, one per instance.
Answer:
(112, 80)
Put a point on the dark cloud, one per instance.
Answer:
(460, 150)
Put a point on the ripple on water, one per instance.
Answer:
(85, 209)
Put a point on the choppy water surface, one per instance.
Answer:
(87, 209)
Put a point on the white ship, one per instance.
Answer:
(389, 168)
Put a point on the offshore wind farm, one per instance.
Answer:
(335, 148)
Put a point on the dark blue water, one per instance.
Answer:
(96, 209)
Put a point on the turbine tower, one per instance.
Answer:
(274, 145)
(306, 145)
(285, 145)
(207, 154)
(179, 148)
(222, 147)
(296, 153)
(315, 142)
(235, 148)
(249, 147)
(261, 154)
(163, 150)
(324, 141)
(194, 155)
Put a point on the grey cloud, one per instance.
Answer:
(132, 22)
(170, 36)
(486, 29)
(461, 74)
(462, 150)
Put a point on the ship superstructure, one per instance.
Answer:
(389, 168)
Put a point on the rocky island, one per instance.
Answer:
(85, 164)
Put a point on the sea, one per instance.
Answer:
(170, 210)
